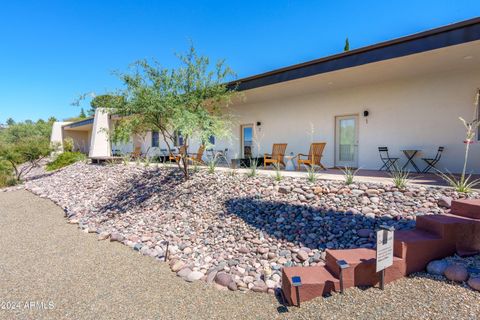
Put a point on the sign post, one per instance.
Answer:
(384, 251)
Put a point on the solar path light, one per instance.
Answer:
(297, 283)
(343, 265)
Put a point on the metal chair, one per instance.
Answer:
(388, 162)
(431, 162)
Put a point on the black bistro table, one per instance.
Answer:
(410, 154)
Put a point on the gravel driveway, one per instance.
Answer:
(51, 270)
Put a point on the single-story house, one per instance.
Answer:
(405, 94)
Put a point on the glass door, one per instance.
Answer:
(247, 140)
(346, 141)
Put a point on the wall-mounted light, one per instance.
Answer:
(366, 113)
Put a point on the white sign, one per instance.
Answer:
(384, 249)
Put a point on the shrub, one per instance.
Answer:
(65, 159)
(68, 144)
(7, 179)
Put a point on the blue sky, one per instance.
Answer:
(53, 51)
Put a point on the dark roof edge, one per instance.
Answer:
(456, 33)
(79, 123)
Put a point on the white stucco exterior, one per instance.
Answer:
(100, 143)
(413, 103)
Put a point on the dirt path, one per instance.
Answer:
(51, 270)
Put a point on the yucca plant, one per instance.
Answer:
(125, 159)
(464, 183)
(253, 168)
(212, 165)
(311, 173)
(278, 173)
(400, 177)
(349, 174)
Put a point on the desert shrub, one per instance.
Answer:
(68, 144)
(65, 159)
(7, 178)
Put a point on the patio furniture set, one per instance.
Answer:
(390, 163)
(276, 158)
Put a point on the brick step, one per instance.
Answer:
(316, 281)
(466, 208)
(418, 247)
(362, 263)
(460, 234)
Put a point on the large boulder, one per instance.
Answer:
(445, 202)
(474, 283)
(437, 267)
(456, 272)
(223, 279)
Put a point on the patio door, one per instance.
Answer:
(346, 141)
(247, 140)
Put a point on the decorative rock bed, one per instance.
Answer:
(232, 230)
(458, 269)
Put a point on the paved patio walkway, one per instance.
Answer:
(51, 270)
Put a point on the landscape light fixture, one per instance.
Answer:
(343, 265)
(297, 283)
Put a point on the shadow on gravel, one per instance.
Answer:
(143, 189)
(308, 226)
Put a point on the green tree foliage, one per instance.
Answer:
(107, 101)
(191, 99)
(82, 114)
(347, 45)
(22, 145)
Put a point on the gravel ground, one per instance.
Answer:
(45, 260)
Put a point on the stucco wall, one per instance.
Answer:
(81, 139)
(408, 113)
(404, 114)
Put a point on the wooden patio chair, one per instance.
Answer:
(137, 152)
(314, 156)
(176, 157)
(197, 157)
(276, 157)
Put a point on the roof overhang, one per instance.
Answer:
(451, 35)
(85, 124)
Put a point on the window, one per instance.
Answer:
(211, 140)
(155, 139)
(178, 139)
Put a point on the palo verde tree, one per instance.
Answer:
(191, 99)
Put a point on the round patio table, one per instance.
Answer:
(289, 164)
(410, 154)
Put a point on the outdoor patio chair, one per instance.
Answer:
(314, 156)
(177, 156)
(137, 152)
(276, 157)
(197, 157)
(388, 162)
(431, 162)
